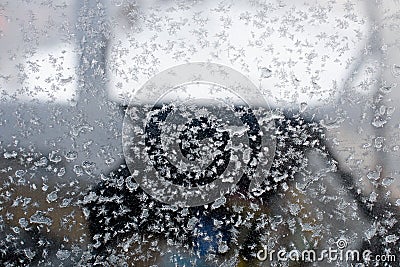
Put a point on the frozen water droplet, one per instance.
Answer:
(10, 155)
(391, 238)
(219, 202)
(387, 181)
(192, 223)
(303, 106)
(223, 247)
(294, 209)
(71, 155)
(379, 142)
(39, 218)
(131, 184)
(41, 162)
(373, 196)
(378, 122)
(117, 3)
(29, 254)
(396, 70)
(45, 187)
(61, 172)
(53, 157)
(285, 186)
(370, 232)
(91, 197)
(88, 166)
(246, 155)
(386, 89)
(19, 173)
(373, 175)
(78, 170)
(390, 110)
(63, 254)
(52, 196)
(266, 73)
(23, 222)
(109, 161)
(65, 202)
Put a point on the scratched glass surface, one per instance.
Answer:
(199, 133)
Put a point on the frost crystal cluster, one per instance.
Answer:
(199, 132)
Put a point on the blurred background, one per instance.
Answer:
(69, 68)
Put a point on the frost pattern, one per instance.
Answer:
(314, 166)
